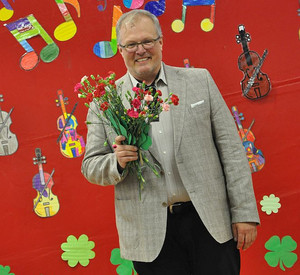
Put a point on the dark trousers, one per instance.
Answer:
(190, 250)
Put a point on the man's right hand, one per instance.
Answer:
(125, 153)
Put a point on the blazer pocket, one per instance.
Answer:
(193, 105)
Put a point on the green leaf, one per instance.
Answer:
(142, 139)
(146, 129)
(129, 138)
(148, 142)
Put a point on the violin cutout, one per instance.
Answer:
(46, 203)
(71, 144)
(255, 156)
(8, 140)
(255, 83)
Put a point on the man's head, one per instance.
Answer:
(140, 43)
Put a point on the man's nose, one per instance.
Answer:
(140, 49)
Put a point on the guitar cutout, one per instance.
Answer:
(133, 4)
(46, 203)
(71, 144)
(255, 156)
(26, 28)
(102, 7)
(156, 7)
(8, 140)
(107, 49)
(207, 24)
(7, 11)
(68, 29)
(255, 83)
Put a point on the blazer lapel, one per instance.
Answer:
(177, 85)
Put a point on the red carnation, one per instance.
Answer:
(136, 103)
(132, 113)
(175, 99)
(89, 97)
(104, 106)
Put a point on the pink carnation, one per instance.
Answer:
(148, 97)
(166, 107)
(77, 87)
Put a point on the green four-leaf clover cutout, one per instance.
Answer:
(5, 270)
(125, 266)
(281, 252)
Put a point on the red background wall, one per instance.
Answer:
(30, 244)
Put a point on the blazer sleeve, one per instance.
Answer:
(236, 168)
(99, 164)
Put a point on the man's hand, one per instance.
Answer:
(125, 153)
(244, 233)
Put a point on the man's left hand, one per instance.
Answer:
(244, 233)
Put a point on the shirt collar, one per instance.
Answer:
(161, 77)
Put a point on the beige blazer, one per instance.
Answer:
(210, 159)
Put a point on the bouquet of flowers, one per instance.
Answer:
(133, 123)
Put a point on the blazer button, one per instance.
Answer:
(162, 172)
(164, 204)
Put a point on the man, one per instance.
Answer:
(195, 217)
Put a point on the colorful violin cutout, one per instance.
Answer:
(8, 140)
(46, 203)
(255, 156)
(71, 144)
(255, 83)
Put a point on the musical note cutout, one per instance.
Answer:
(133, 4)
(107, 49)
(156, 7)
(26, 28)
(207, 24)
(7, 11)
(68, 29)
(102, 7)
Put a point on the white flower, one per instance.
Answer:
(84, 78)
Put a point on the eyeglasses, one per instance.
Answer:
(147, 45)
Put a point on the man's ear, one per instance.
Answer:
(120, 49)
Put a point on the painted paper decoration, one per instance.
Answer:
(270, 204)
(78, 251)
(125, 266)
(8, 140)
(5, 270)
(45, 204)
(7, 11)
(133, 4)
(207, 24)
(281, 252)
(67, 29)
(26, 28)
(255, 156)
(156, 7)
(71, 144)
(107, 49)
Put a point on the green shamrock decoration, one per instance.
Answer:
(125, 267)
(270, 204)
(78, 251)
(281, 252)
(4, 270)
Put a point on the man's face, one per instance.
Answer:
(142, 64)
